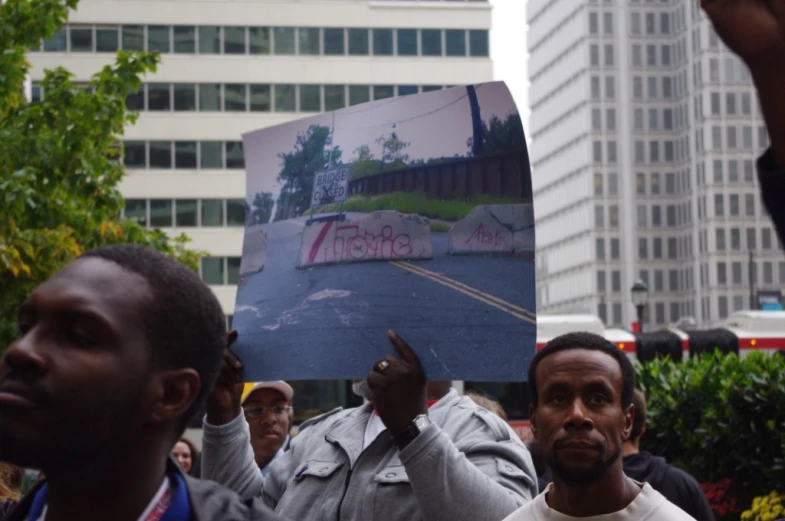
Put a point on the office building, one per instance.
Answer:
(645, 132)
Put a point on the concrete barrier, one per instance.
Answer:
(383, 235)
(507, 228)
(254, 251)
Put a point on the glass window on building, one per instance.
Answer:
(260, 98)
(285, 98)
(185, 154)
(234, 154)
(431, 42)
(283, 40)
(107, 39)
(209, 97)
(359, 94)
(334, 97)
(209, 39)
(212, 270)
(212, 212)
(161, 213)
(158, 38)
(235, 212)
(211, 155)
(235, 97)
(383, 92)
(159, 96)
(232, 270)
(310, 40)
(134, 154)
(185, 97)
(184, 39)
(407, 42)
(57, 43)
(383, 42)
(478, 43)
(310, 98)
(161, 154)
(136, 210)
(359, 42)
(133, 37)
(234, 40)
(185, 213)
(81, 38)
(455, 42)
(334, 42)
(405, 90)
(259, 40)
(135, 100)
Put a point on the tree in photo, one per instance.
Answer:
(262, 209)
(500, 135)
(60, 163)
(313, 151)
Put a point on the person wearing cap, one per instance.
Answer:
(267, 407)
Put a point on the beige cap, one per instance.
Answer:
(282, 387)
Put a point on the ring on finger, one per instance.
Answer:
(382, 366)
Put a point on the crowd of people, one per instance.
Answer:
(122, 347)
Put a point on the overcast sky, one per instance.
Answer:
(508, 51)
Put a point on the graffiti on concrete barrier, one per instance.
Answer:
(352, 243)
(497, 240)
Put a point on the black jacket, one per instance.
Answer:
(209, 502)
(772, 187)
(677, 486)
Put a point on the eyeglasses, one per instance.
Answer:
(257, 411)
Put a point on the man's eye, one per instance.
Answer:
(598, 399)
(557, 399)
(79, 337)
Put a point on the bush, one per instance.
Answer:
(765, 508)
(721, 418)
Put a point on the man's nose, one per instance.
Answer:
(25, 354)
(578, 417)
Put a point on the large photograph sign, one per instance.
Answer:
(412, 214)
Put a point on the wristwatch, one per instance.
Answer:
(419, 424)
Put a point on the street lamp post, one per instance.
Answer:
(640, 294)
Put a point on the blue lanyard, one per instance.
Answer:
(179, 509)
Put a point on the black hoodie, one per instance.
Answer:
(677, 486)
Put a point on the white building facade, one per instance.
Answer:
(228, 67)
(645, 130)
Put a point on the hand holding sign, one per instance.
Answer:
(398, 386)
(223, 402)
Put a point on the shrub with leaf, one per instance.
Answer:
(721, 418)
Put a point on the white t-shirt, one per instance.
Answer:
(649, 505)
(373, 429)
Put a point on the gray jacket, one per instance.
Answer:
(467, 465)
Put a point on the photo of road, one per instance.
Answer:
(439, 249)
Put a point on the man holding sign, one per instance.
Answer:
(416, 451)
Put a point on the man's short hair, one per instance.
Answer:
(639, 422)
(183, 321)
(592, 342)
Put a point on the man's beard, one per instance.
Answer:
(361, 389)
(583, 477)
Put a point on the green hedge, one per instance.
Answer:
(719, 417)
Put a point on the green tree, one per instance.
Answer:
(313, 151)
(501, 135)
(262, 208)
(60, 161)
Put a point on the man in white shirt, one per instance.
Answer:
(581, 413)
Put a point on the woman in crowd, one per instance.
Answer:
(10, 481)
(184, 451)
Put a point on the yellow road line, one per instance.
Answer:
(473, 293)
(431, 274)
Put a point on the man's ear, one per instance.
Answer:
(533, 420)
(174, 393)
(629, 417)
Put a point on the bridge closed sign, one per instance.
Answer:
(330, 186)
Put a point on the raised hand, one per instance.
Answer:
(223, 402)
(398, 386)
